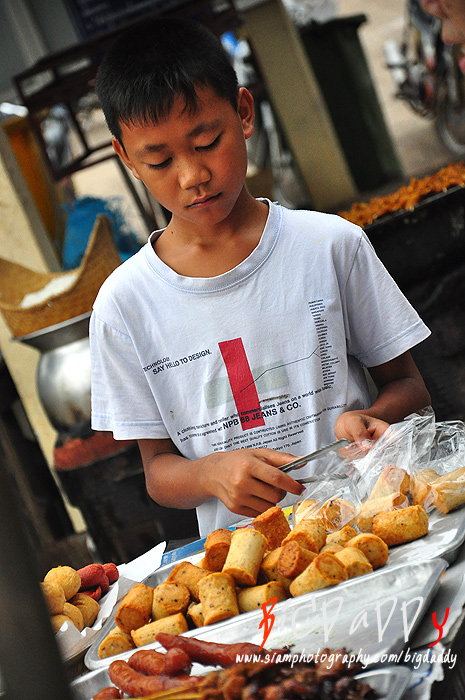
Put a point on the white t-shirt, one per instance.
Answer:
(267, 354)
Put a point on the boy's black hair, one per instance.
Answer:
(150, 65)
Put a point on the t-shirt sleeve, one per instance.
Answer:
(381, 324)
(122, 401)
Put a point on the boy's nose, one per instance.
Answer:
(193, 174)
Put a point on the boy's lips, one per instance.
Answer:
(204, 201)
(462, 60)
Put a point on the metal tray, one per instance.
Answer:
(91, 659)
(407, 241)
(444, 539)
(446, 536)
(365, 615)
(389, 682)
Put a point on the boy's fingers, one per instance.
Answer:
(279, 480)
(276, 459)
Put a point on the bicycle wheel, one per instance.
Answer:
(450, 117)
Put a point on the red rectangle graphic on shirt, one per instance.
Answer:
(242, 383)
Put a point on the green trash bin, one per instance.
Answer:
(343, 75)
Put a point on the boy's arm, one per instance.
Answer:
(247, 481)
(401, 391)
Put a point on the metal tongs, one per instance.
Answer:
(300, 461)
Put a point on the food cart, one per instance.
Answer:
(403, 654)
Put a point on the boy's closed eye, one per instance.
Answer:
(210, 146)
(159, 166)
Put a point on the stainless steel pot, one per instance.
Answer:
(63, 373)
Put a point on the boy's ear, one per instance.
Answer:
(246, 111)
(119, 150)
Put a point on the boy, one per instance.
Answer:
(452, 15)
(234, 339)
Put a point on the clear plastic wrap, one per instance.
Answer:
(420, 458)
(439, 483)
(333, 491)
(390, 486)
(403, 446)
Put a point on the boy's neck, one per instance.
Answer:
(211, 251)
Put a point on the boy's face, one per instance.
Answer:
(452, 14)
(194, 164)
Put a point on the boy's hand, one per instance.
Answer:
(247, 481)
(356, 426)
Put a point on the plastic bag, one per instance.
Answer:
(417, 462)
(390, 487)
(333, 493)
(438, 484)
(403, 445)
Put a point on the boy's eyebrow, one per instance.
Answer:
(205, 126)
(196, 131)
(150, 148)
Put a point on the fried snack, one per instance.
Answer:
(269, 568)
(293, 559)
(75, 615)
(88, 607)
(111, 692)
(341, 536)
(189, 575)
(216, 549)
(325, 570)
(306, 509)
(456, 475)
(337, 513)
(407, 196)
(135, 609)
(245, 556)
(92, 576)
(332, 547)
(273, 524)
(401, 526)
(355, 561)
(373, 506)
(111, 571)
(448, 492)
(420, 486)
(195, 612)
(66, 577)
(58, 620)
(254, 597)
(174, 624)
(391, 480)
(310, 533)
(169, 598)
(218, 597)
(115, 642)
(54, 597)
(372, 546)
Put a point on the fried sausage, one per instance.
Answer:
(174, 663)
(136, 684)
(111, 571)
(110, 693)
(210, 653)
(93, 575)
